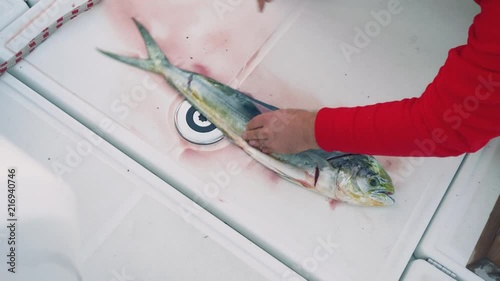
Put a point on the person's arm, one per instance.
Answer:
(459, 111)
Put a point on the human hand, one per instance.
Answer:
(284, 131)
(261, 4)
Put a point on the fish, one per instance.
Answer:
(352, 178)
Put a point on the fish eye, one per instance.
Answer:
(374, 182)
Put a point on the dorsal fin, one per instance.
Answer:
(260, 104)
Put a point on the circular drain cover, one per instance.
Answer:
(194, 127)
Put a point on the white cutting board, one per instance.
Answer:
(289, 56)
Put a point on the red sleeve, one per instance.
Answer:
(459, 111)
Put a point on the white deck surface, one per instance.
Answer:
(87, 212)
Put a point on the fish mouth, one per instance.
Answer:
(386, 192)
(382, 198)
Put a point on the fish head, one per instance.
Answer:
(361, 180)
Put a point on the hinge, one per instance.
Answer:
(442, 268)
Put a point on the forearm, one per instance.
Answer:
(459, 112)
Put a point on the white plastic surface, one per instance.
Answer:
(420, 270)
(87, 212)
(459, 221)
(290, 57)
(10, 10)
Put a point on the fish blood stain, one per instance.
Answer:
(333, 203)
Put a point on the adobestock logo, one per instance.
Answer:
(460, 111)
(322, 252)
(454, 117)
(220, 180)
(128, 101)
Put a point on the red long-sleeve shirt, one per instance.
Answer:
(459, 111)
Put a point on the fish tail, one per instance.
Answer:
(156, 60)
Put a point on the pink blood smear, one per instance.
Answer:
(191, 33)
(333, 203)
(273, 177)
(268, 174)
(390, 164)
(201, 69)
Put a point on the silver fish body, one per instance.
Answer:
(352, 178)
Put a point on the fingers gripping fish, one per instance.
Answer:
(351, 178)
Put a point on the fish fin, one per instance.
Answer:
(250, 110)
(266, 106)
(145, 64)
(254, 107)
(154, 51)
(329, 156)
(153, 63)
(321, 162)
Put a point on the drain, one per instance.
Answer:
(194, 127)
